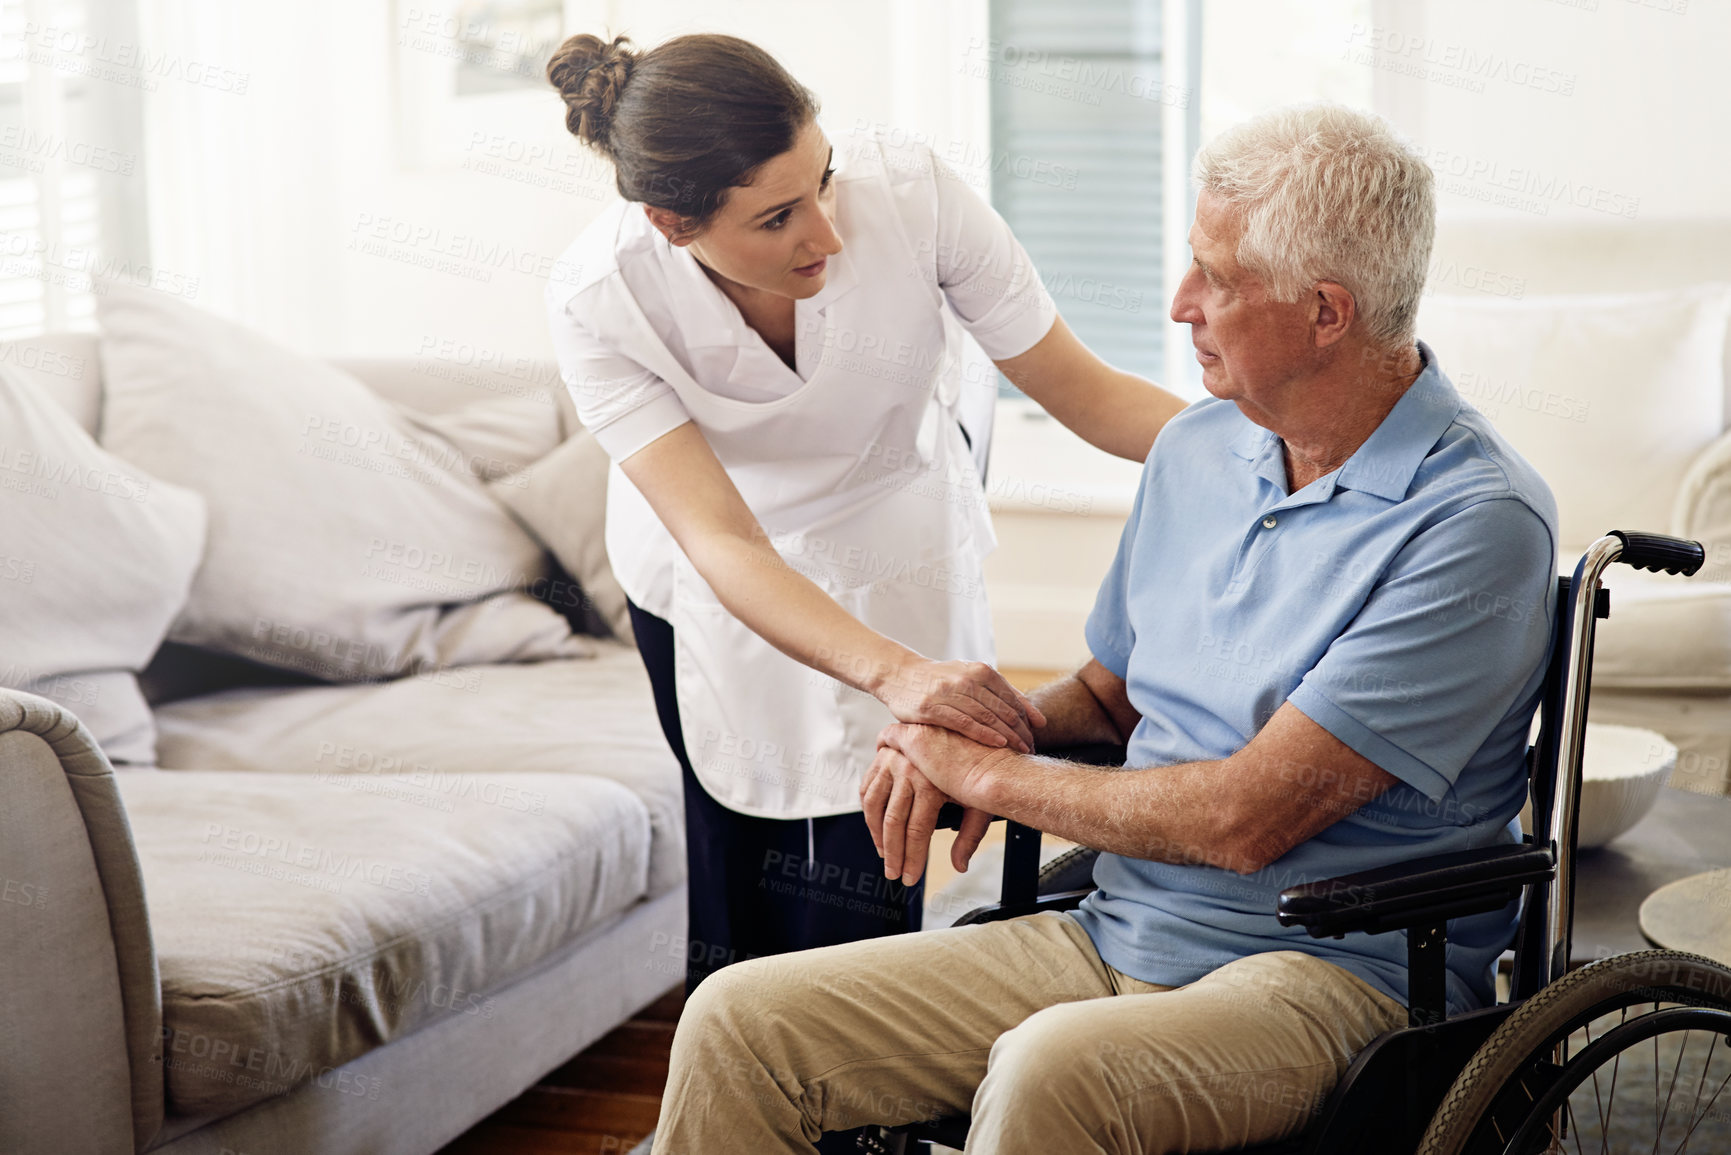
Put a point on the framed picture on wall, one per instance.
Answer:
(468, 71)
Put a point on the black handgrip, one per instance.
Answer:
(950, 817)
(1659, 553)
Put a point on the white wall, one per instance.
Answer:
(262, 194)
(1622, 102)
(303, 214)
(270, 197)
(1261, 54)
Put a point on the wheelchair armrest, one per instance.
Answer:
(1092, 753)
(1417, 893)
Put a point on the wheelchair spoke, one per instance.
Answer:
(1705, 1111)
(1555, 1146)
(1702, 1082)
(1675, 1069)
(1658, 1121)
(1616, 1064)
(1597, 1097)
(1570, 1126)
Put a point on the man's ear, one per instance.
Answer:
(675, 228)
(1332, 312)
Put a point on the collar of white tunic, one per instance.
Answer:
(706, 332)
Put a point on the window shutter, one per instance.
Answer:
(1077, 97)
(59, 170)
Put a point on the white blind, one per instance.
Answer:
(1077, 99)
(61, 170)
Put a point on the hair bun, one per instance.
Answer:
(590, 74)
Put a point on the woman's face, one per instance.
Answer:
(777, 233)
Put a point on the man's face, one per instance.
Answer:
(1250, 347)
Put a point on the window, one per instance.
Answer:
(1093, 108)
(1083, 109)
(69, 169)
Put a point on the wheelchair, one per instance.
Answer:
(1536, 1073)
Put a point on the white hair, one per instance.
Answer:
(1328, 193)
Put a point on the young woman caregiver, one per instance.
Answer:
(763, 339)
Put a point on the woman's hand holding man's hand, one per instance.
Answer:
(970, 698)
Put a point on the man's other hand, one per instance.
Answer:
(916, 771)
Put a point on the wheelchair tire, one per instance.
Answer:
(1071, 870)
(1507, 1096)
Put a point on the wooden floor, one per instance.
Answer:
(604, 1101)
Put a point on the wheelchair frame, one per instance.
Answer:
(1395, 1085)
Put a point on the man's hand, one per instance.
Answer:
(917, 770)
(954, 763)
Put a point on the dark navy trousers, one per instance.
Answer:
(763, 886)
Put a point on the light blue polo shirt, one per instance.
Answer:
(1402, 602)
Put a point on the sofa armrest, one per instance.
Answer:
(81, 1007)
(1416, 893)
(1702, 510)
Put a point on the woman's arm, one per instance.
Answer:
(996, 292)
(691, 493)
(1106, 407)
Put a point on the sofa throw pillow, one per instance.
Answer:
(562, 499)
(96, 558)
(1703, 509)
(497, 438)
(1610, 397)
(344, 542)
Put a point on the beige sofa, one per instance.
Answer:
(351, 917)
(1608, 331)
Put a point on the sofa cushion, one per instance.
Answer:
(1703, 509)
(300, 923)
(562, 500)
(1664, 633)
(95, 559)
(1609, 396)
(344, 541)
(65, 367)
(449, 731)
(499, 437)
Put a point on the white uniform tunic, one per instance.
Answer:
(853, 461)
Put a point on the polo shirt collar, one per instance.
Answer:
(1385, 464)
(1250, 443)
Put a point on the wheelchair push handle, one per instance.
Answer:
(1659, 553)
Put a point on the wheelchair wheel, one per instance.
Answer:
(1628, 1054)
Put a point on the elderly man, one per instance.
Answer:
(1323, 639)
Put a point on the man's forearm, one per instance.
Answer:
(1073, 715)
(1165, 813)
(1292, 781)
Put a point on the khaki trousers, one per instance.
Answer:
(1021, 1024)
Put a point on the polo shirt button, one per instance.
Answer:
(1268, 522)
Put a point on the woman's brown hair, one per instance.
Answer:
(683, 122)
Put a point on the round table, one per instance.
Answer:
(1692, 914)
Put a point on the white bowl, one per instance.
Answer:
(1622, 772)
(1623, 769)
